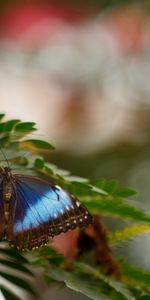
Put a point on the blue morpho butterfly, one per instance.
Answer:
(32, 209)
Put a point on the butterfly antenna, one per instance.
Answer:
(5, 158)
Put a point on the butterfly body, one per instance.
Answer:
(32, 209)
(6, 184)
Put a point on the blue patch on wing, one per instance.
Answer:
(40, 205)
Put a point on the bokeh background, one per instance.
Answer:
(81, 71)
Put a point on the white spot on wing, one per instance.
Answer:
(58, 187)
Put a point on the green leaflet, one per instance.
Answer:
(25, 127)
(18, 281)
(136, 277)
(39, 144)
(7, 294)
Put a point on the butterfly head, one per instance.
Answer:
(5, 172)
(7, 169)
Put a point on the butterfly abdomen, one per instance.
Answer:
(5, 199)
(6, 181)
(7, 192)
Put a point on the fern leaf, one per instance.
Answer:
(115, 207)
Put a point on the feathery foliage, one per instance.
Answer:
(104, 198)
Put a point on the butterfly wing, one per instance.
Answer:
(39, 210)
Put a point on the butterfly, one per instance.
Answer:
(32, 210)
